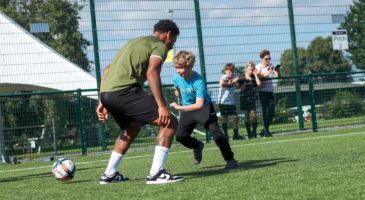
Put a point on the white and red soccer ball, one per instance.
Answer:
(64, 169)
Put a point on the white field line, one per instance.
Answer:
(189, 151)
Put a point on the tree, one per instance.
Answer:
(343, 104)
(355, 25)
(287, 66)
(62, 17)
(322, 58)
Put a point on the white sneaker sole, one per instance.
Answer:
(163, 181)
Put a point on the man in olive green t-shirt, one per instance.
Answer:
(123, 96)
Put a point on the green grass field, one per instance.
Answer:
(323, 165)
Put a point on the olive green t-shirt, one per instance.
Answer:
(130, 64)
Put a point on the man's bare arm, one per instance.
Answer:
(154, 82)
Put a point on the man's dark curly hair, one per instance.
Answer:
(166, 25)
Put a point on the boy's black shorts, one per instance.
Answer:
(189, 119)
(227, 109)
(130, 104)
(247, 104)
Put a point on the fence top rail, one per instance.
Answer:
(171, 85)
(47, 92)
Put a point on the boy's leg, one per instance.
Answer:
(248, 124)
(220, 140)
(208, 118)
(223, 145)
(183, 135)
(184, 130)
(225, 125)
(253, 117)
(236, 135)
(224, 113)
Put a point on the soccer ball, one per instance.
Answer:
(63, 169)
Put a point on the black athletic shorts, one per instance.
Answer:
(130, 104)
(227, 109)
(189, 119)
(247, 104)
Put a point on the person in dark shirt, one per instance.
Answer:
(248, 95)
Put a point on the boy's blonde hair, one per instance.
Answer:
(184, 59)
(250, 63)
(229, 66)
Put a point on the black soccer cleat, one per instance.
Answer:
(232, 164)
(198, 153)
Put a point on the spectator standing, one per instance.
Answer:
(248, 96)
(266, 70)
(226, 100)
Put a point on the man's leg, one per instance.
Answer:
(157, 174)
(163, 144)
(121, 146)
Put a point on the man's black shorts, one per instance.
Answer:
(130, 104)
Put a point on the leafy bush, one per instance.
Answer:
(343, 104)
(281, 112)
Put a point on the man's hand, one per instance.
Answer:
(164, 116)
(102, 113)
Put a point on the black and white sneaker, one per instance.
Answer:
(163, 177)
(104, 179)
(198, 153)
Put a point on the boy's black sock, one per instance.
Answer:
(248, 129)
(254, 128)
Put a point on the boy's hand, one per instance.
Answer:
(177, 93)
(236, 80)
(174, 105)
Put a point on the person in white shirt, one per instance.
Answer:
(266, 70)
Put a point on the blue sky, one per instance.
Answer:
(233, 30)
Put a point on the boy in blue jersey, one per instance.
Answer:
(196, 108)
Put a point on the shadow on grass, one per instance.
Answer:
(246, 165)
(40, 175)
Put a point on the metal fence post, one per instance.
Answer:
(313, 103)
(81, 123)
(201, 52)
(295, 63)
(2, 141)
(97, 68)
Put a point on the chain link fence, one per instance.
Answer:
(44, 114)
